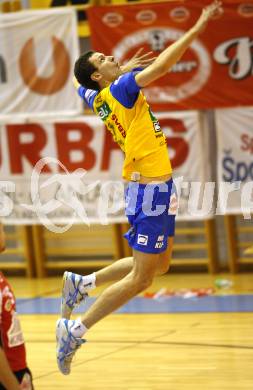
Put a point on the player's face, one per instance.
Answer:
(107, 68)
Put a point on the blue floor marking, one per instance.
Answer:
(208, 304)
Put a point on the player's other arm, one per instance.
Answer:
(88, 95)
(138, 61)
(174, 52)
(7, 378)
(76, 83)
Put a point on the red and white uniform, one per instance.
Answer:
(11, 334)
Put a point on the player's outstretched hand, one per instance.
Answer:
(211, 11)
(138, 60)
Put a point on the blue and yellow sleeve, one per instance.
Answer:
(88, 95)
(125, 89)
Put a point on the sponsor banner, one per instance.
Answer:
(216, 71)
(235, 160)
(69, 170)
(38, 50)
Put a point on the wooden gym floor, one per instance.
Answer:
(205, 347)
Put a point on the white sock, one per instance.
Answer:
(79, 329)
(88, 283)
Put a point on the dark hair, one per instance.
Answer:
(83, 70)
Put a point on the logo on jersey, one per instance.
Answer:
(156, 124)
(104, 111)
(119, 126)
(142, 240)
(15, 336)
(159, 243)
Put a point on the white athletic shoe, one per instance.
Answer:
(67, 344)
(71, 295)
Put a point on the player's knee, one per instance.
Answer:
(163, 266)
(143, 282)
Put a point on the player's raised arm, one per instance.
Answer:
(174, 52)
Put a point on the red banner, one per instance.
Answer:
(216, 71)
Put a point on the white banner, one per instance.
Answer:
(235, 160)
(78, 177)
(37, 54)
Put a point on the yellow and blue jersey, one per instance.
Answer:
(125, 112)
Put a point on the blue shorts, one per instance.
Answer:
(151, 211)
